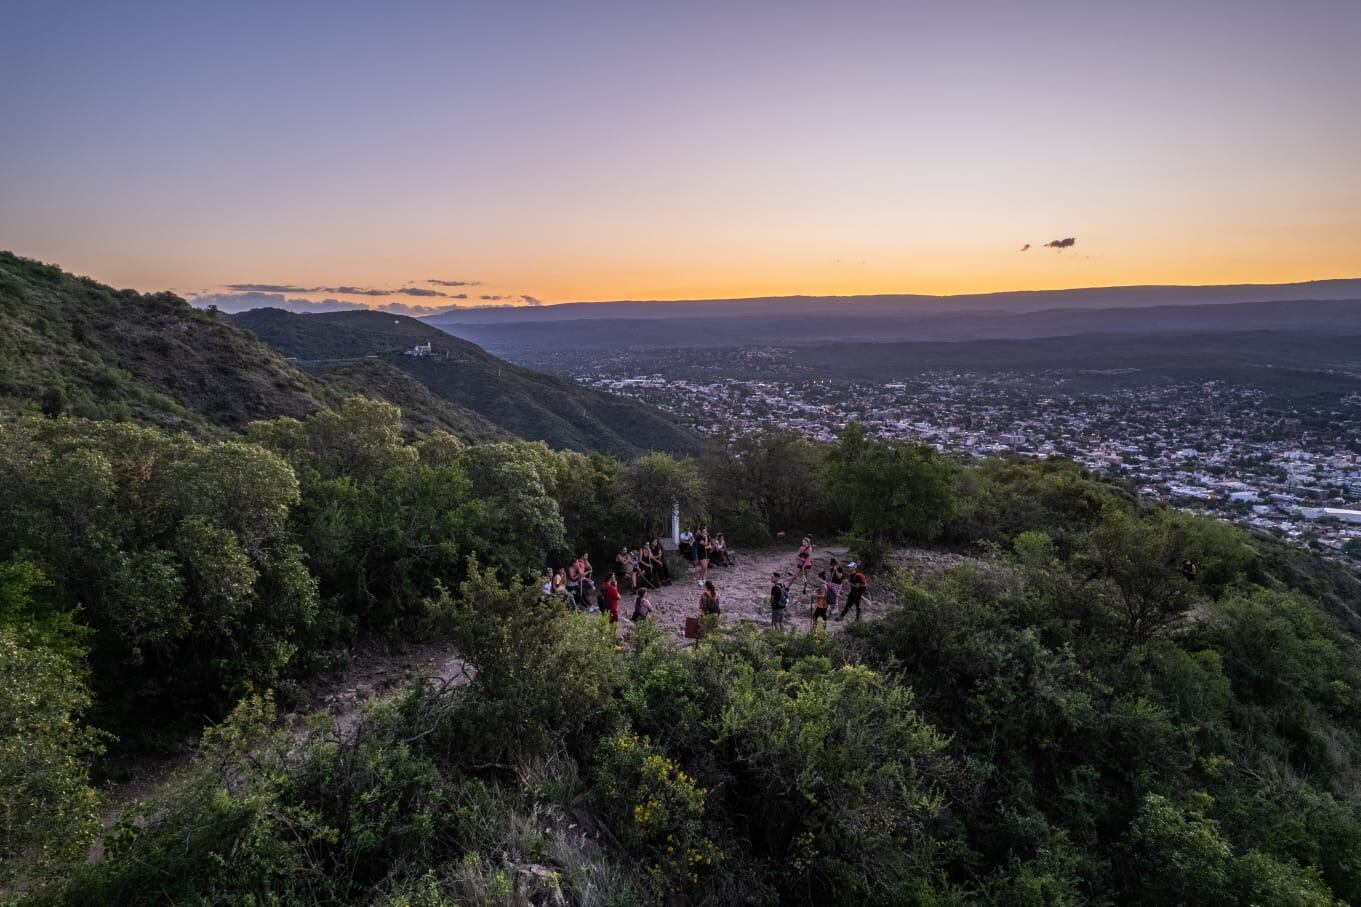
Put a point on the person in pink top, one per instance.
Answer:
(803, 561)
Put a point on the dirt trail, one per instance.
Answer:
(378, 674)
(373, 672)
(744, 588)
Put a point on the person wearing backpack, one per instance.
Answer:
(779, 601)
(858, 586)
(836, 576)
(642, 606)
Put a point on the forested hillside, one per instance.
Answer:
(524, 403)
(1067, 717)
(381, 380)
(68, 344)
(71, 345)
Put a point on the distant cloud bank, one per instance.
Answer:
(246, 296)
(353, 291)
(231, 303)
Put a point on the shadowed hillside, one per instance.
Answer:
(526, 403)
(421, 409)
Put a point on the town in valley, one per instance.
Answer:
(1280, 463)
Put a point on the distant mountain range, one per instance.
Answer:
(902, 303)
(524, 334)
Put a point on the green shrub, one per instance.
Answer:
(656, 810)
(49, 813)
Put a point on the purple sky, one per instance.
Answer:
(603, 150)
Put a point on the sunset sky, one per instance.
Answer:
(567, 151)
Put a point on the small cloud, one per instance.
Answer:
(343, 290)
(1025, 248)
(530, 300)
(354, 291)
(487, 297)
(1061, 244)
(454, 283)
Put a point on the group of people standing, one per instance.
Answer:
(830, 584)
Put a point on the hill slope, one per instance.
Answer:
(524, 402)
(70, 344)
(422, 410)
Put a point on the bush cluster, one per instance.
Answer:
(1064, 718)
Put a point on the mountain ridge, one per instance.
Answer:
(1136, 295)
(530, 340)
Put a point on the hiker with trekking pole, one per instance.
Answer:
(824, 600)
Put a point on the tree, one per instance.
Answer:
(889, 491)
(524, 524)
(359, 438)
(175, 552)
(1140, 561)
(764, 483)
(654, 483)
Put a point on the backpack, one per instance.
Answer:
(783, 600)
